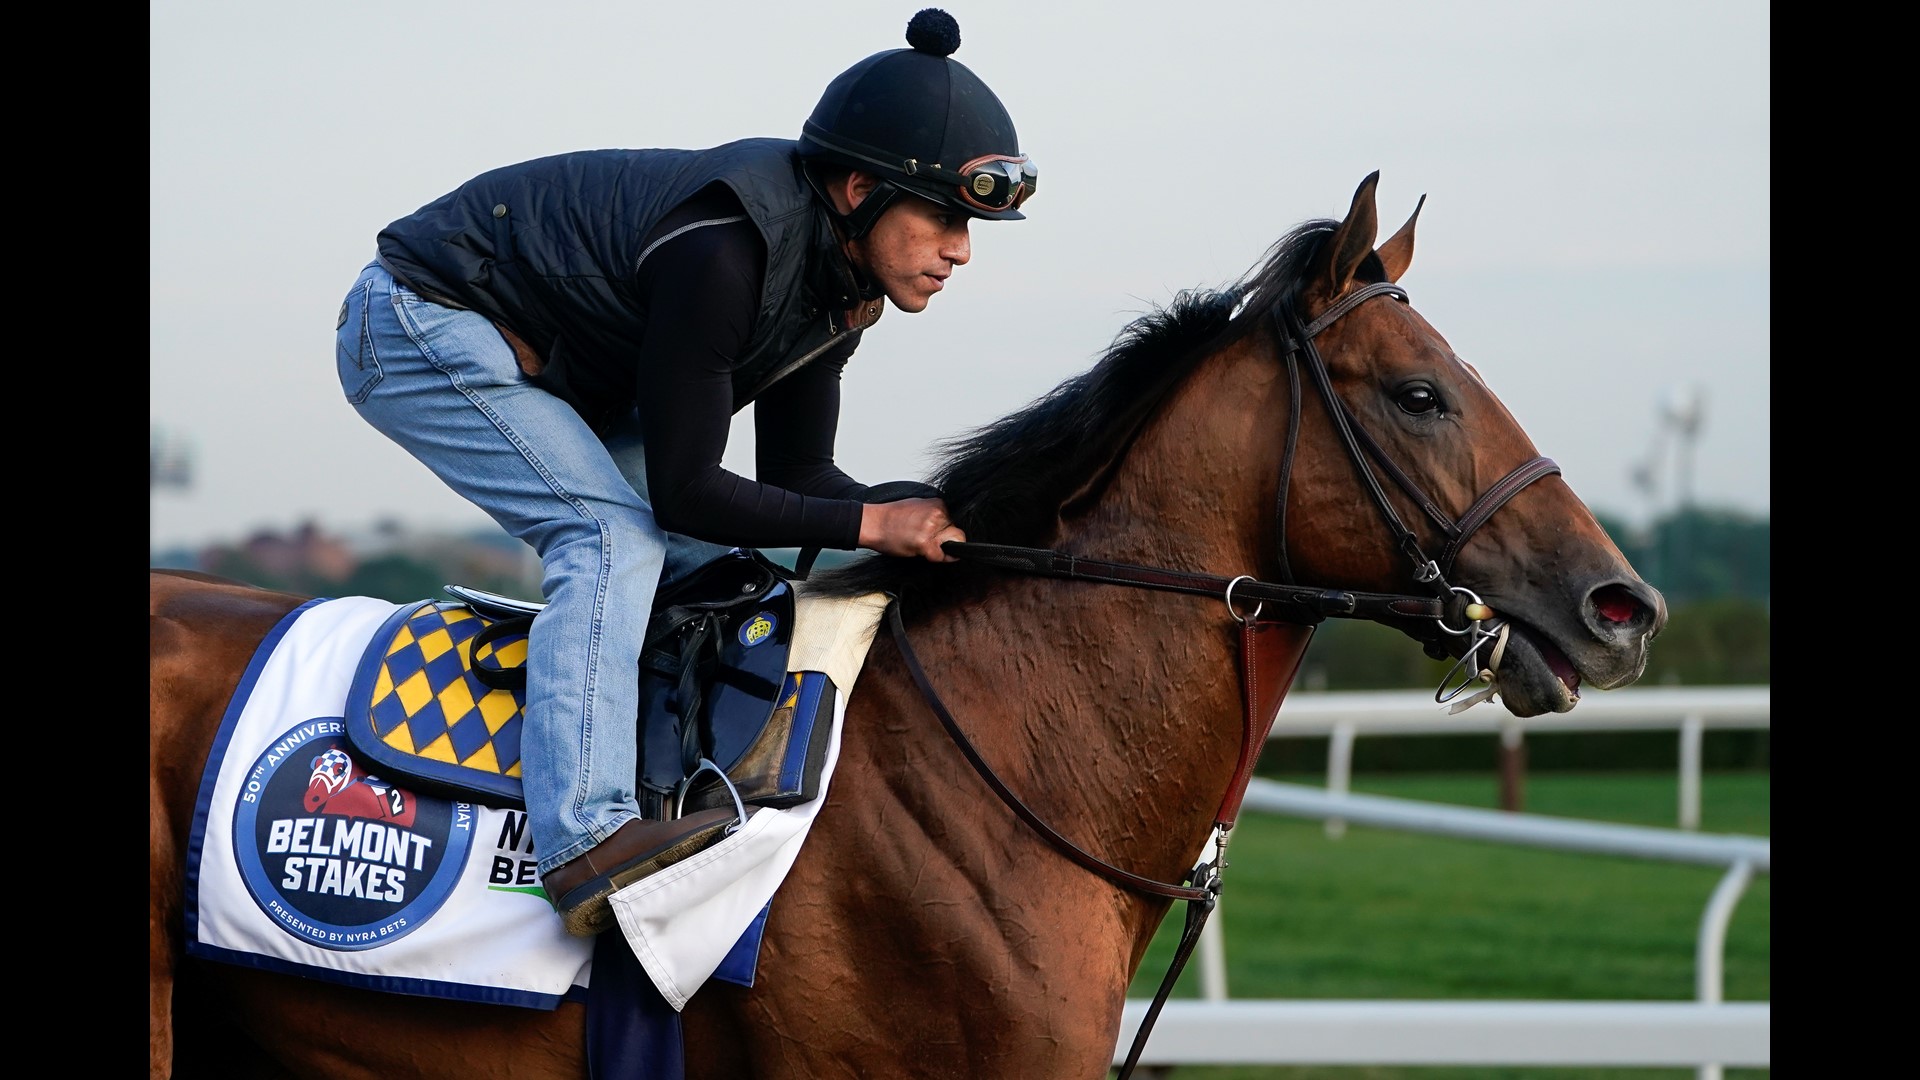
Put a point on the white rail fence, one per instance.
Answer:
(1343, 716)
(1543, 1033)
(1706, 1033)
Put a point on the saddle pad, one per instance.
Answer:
(416, 709)
(303, 860)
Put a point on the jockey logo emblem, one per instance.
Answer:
(757, 629)
(336, 856)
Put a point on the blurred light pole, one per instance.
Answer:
(1680, 416)
(1684, 414)
(1645, 476)
(170, 461)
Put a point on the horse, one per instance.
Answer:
(1304, 437)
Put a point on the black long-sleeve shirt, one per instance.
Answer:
(700, 289)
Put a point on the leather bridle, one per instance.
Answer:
(1296, 344)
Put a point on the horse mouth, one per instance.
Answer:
(1534, 675)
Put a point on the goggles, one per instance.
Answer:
(993, 182)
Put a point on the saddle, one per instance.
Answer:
(438, 699)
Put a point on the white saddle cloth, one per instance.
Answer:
(683, 921)
(274, 885)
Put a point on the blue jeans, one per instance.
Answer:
(444, 385)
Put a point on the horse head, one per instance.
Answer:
(1464, 487)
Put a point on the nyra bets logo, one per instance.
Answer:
(336, 856)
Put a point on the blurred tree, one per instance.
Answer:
(1349, 654)
(1721, 642)
(402, 580)
(236, 564)
(1700, 554)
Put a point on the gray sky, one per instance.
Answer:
(1595, 240)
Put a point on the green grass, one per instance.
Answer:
(1381, 914)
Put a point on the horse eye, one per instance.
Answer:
(1417, 400)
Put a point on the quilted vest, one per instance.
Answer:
(549, 249)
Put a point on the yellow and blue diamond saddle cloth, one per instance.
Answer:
(419, 712)
(437, 702)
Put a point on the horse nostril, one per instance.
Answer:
(1617, 604)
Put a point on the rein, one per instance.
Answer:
(1270, 655)
(1424, 618)
(1021, 809)
(1264, 641)
(1310, 604)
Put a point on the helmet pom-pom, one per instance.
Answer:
(933, 31)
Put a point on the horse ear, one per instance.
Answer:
(1397, 252)
(1353, 241)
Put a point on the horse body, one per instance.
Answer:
(1009, 960)
(924, 930)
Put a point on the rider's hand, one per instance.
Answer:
(909, 527)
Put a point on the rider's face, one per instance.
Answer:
(912, 248)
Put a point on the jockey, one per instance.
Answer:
(564, 342)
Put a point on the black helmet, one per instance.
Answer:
(922, 122)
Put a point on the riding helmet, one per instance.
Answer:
(922, 122)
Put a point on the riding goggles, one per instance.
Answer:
(992, 182)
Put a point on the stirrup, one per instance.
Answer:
(686, 785)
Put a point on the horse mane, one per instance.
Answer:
(1006, 482)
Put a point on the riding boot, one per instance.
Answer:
(580, 887)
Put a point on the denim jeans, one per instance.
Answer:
(444, 385)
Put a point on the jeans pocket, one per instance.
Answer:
(353, 350)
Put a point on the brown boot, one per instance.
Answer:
(578, 889)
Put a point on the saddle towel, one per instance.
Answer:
(304, 860)
(683, 921)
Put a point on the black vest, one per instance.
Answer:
(549, 249)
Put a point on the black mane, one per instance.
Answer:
(1006, 481)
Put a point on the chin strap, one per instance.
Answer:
(861, 220)
(857, 224)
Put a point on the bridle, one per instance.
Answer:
(1426, 618)
(1296, 343)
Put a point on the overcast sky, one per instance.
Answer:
(1595, 239)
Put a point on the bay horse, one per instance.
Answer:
(1305, 431)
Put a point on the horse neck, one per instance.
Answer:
(1194, 488)
(1119, 709)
